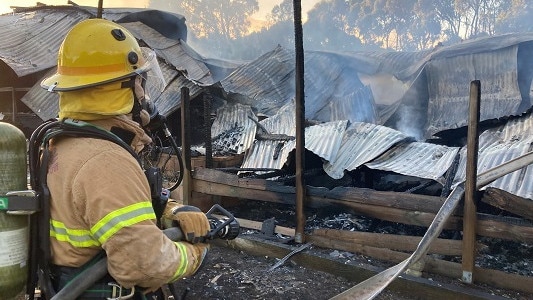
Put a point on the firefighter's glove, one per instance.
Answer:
(191, 220)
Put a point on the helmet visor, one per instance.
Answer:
(155, 81)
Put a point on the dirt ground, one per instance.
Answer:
(230, 274)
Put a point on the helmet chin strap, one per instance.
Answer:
(139, 114)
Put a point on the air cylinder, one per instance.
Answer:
(14, 238)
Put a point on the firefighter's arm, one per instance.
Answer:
(137, 250)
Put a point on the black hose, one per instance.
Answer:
(97, 271)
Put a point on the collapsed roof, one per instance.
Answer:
(375, 108)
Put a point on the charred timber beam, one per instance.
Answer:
(430, 264)
(509, 202)
(395, 207)
(393, 241)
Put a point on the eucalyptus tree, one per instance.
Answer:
(226, 18)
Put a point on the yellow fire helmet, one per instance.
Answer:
(94, 52)
(95, 56)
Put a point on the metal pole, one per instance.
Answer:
(469, 216)
(300, 123)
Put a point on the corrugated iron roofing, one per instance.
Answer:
(471, 46)
(362, 142)
(44, 104)
(33, 37)
(502, 144)
(422, 160)
(323, 139)
(172, 51)
(240, 121)
(31, 40)
(265, 83)
(333, 90)
(449, 87)
(267, 154)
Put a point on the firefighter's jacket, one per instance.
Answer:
(100, 198)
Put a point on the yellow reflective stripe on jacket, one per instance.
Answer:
(120, 218)
(76, 237)
(182, 268)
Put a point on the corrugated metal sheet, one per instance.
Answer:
(423, 160)
(266, 84)
(31, 40)
(267, 154)
(333, 90)
(500, 145)
(449, 87)
(323, 139)
(283, 122)
(173, 52)
(362, 143)
(44, 104)
(170, 100)
(233, 129)
(471, 46)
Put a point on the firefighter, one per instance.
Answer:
(100, 197)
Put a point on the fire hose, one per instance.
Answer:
(225, 227)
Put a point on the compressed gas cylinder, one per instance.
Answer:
(14, 238)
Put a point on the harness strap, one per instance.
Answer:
(39, 250)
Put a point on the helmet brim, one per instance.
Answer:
(61, 82)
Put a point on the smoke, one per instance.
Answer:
(407, 122)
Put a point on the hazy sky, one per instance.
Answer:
(265, 6)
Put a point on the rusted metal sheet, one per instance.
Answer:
(422, 160)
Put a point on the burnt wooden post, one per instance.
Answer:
(186, 145)
(207, 120)
(100, 9)
(470, 205)
(300, 122)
